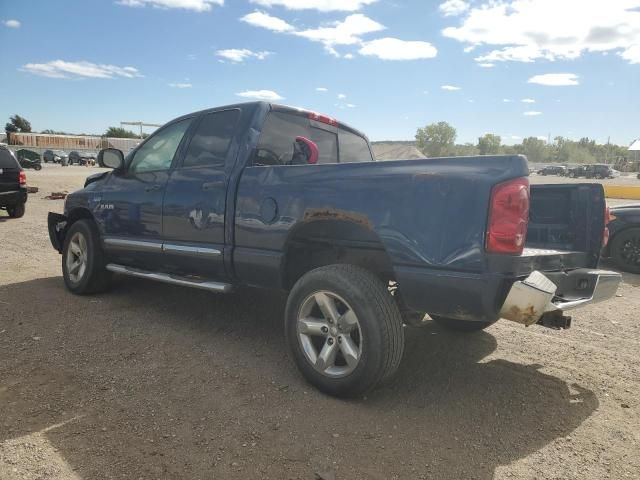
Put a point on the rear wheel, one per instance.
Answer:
(344, 330)
(83, 260)
(460, 325)
(16, 211)
(625, 250)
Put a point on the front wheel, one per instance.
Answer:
(344, 330)
(83, 260)
(460, 325)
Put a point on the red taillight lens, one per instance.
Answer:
(607, 219)
(23, 178)
(508, 217)
(318, 117)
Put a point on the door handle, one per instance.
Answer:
(152, 188)
(211, 185)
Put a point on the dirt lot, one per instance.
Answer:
(153, 381)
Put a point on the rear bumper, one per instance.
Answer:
(551, 294)
(13, 197)
(488, 297)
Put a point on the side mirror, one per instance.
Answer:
(111, 158)
(304, 152)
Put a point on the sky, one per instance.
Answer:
(515, 68)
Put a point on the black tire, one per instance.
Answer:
(456, 325)
(16, 211)
(379, 319)
(625, 250)
(38, 167)
(96, 278)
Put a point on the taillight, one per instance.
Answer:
(608, 218)
(23, 178)
(508, 217)
(318, 117)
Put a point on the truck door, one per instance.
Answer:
(195, 199)
(130, 206)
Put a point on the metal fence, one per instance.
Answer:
(39, 142)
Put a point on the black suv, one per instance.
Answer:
(599, 171)
(82, 158)
(13, 184)
(553, 170)
(54, 156)
(576, 172)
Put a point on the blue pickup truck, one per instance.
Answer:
(275, 197)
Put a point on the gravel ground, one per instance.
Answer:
(154, 381)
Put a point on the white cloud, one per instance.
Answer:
(341, 96)
(396, 49)
(264, 20)
(632, 54)
(238, 55)
(528, 100)
(12, 23)
(506, 100)
(63, 69)
(555, 79)
(195, 5)
(347, 32)
(180, 85)
(452, 8)
(450, 88)
(322, 89)
(527, 30)
(267, 95)
(321, 5)
(516, 137)
(350, 105)
(532, 114)
(486, 65)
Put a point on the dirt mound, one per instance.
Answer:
(396, 151)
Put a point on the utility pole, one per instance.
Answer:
(140, 124)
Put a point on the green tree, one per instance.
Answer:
(119, 132)
(17, 124)
(535, 149)
(489, 144)
(436, 140)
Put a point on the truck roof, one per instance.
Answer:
(276, 108)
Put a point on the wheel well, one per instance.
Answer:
(328, 242)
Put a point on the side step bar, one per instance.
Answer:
(172, 279)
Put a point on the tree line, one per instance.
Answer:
(439, 140)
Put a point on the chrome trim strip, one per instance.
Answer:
(166, 278)
(142, 246)
(191, 251)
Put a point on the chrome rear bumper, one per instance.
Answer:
(551, 293)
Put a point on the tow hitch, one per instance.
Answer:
(555, 320)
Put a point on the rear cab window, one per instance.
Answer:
(335, 144)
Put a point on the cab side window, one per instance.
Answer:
(212, 139)
(158, 151)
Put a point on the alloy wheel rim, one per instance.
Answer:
(330, 335)
(631, 251)
(77, 257)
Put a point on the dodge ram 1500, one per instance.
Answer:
(276, 197)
